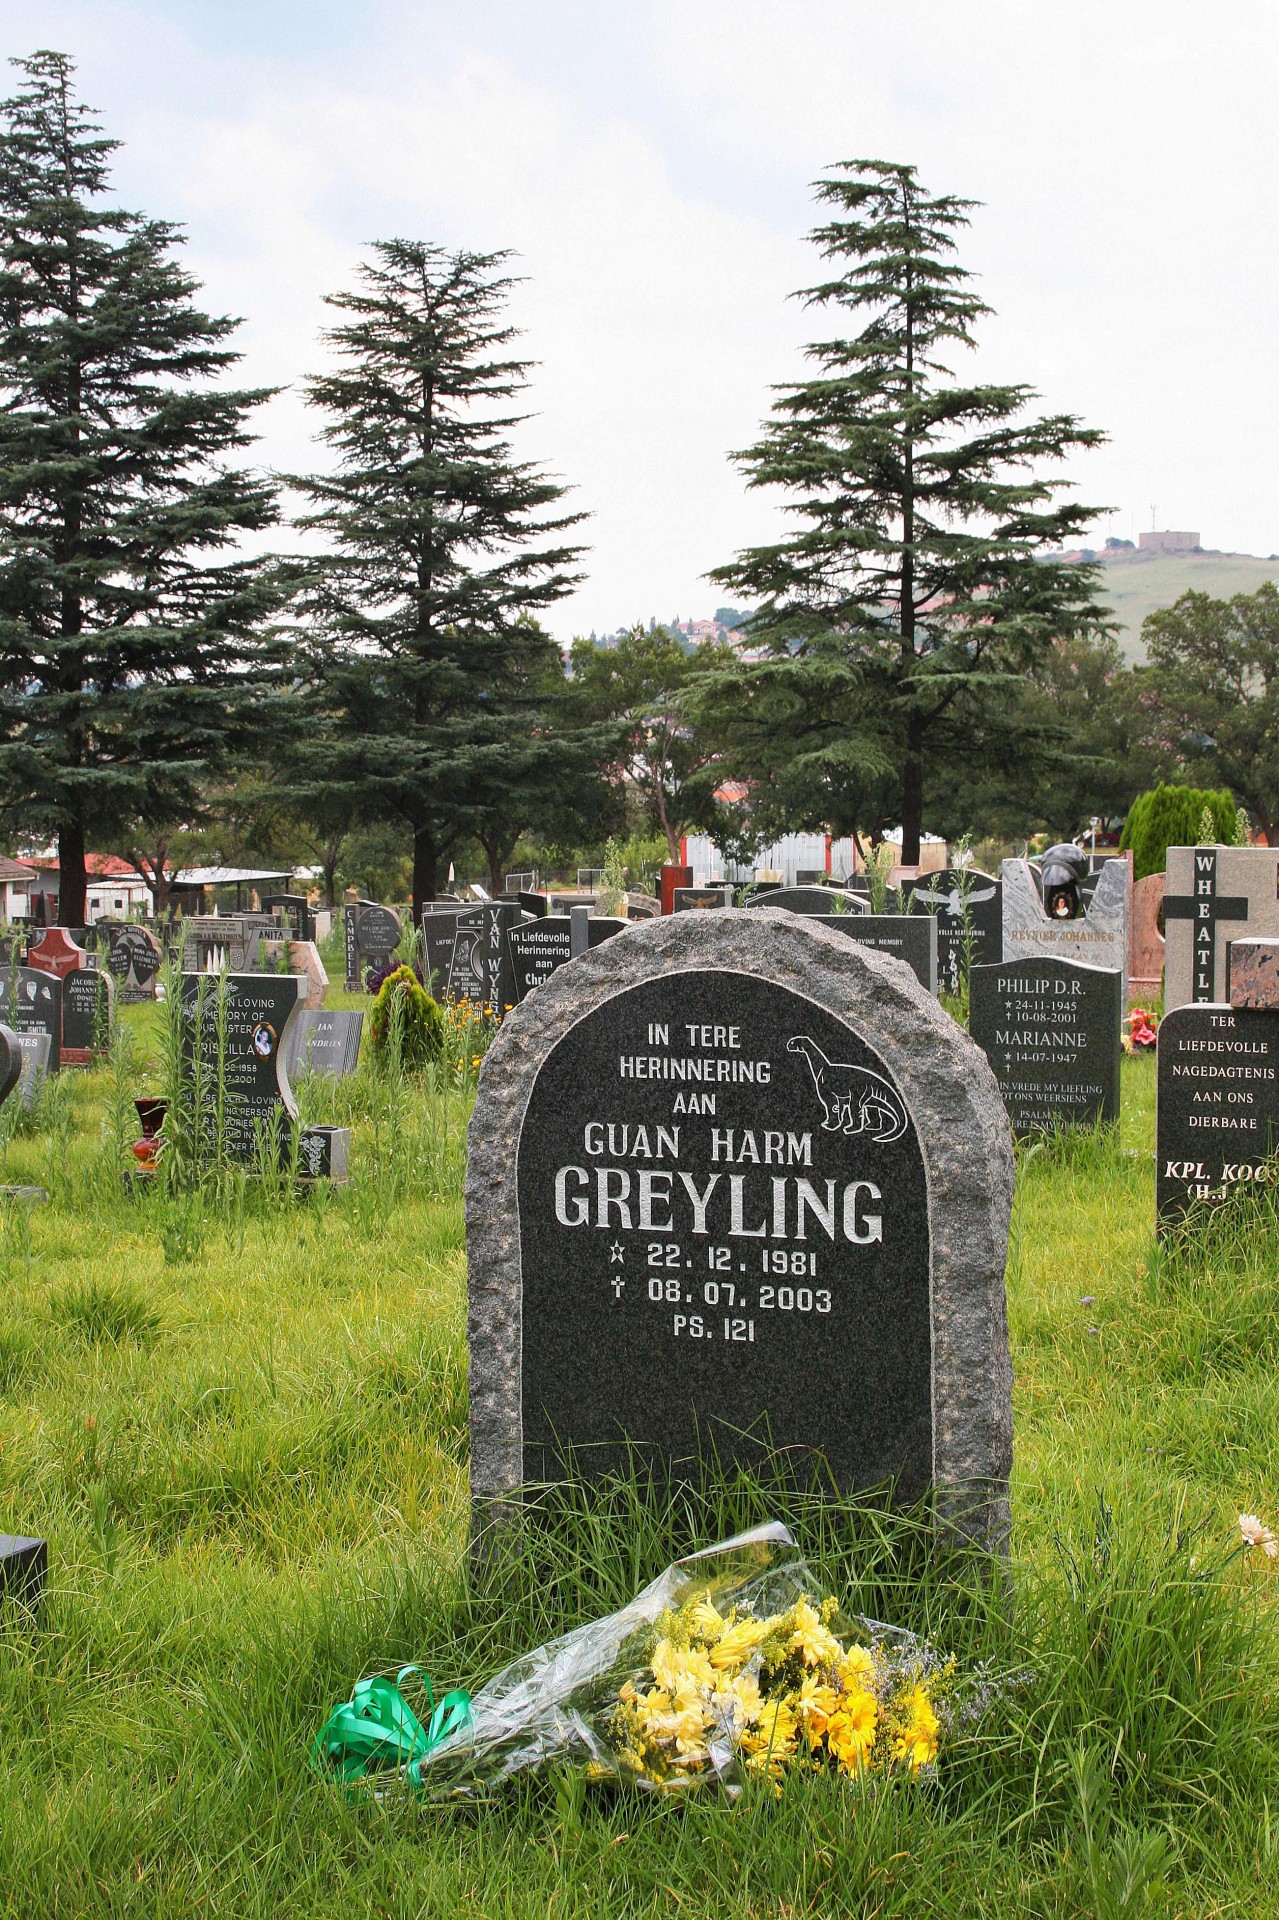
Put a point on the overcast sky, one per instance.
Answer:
(651, 162)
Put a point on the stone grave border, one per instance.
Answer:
(964, 1139)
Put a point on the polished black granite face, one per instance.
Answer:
(134, 957)
(1217, 1122)
(86, 1011)
(537, 949)
(911, 938)
(31, 1003)
(258, 1009)
(724, 1239)
(1050, 1029)
(817, 900)
(967, 906)
(481, 968)
(697, 899)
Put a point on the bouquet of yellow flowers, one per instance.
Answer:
(723, 1668)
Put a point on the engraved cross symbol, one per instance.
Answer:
(1204, 909)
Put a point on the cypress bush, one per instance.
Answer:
(405, 1019)
(1170, 817)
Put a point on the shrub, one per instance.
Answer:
(405, 1021)
(1171, 817)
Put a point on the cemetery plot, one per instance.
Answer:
(372, 935)
(714, 1185)
(324, 1042)
(967, 906)
(910, 938)
(134, 958)
(236, 1054)
(1099, 937)
(1213, 895)
(86, 1015)
(1051, 1032)
(1218, 1113)
(31, 1003)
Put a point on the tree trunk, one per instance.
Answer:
(426, 864)
(72, 875)
(912, 791)
(329, 856)
(497, 879)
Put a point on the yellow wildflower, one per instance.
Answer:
(813, 1638)
(817, 1701)
(916, 1744)
(850, 1734)
(737, 1643)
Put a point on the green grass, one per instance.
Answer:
(242, 1426)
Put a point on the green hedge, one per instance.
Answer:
(1170, 817)
(406, 1020)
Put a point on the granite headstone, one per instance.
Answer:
(1050, 1029)
(373, 933)
(134, 959)
(819, 900)
(1217, 1117)
(908, 937)
(537, 949)
(324, 1041)
(709, 1166)
(86, 1015)
(1099, 936)
(692, 899)
(31, 1003)
(1214, 895)
(968, 908)
(1146, 944)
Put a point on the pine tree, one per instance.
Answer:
(427, 606)
(917, 587)
(133, 666)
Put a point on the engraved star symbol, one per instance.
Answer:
(617, 1252)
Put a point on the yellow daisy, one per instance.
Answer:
(850, 1734)
(916, 1744)
(737, 1643)
(817, 1701)
(813, 1637)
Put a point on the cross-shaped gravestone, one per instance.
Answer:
(1214, 894)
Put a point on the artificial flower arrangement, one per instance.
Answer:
(723, 1669)
(1141, 1033)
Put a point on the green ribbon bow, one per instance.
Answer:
(377, 1728)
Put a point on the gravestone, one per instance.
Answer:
(259, 1108)
(31, 1003)
(908, 937)
(1099, 937)
(214, 942)
(1050, 1029)
(295, 908)
(1214, 895)
(537, 950)
(695, 899)
(439, 938)
(372, 935)
(34, 1049)
(737, 1184)
(1146, 944)
(1217, 1117)
(968, 908)
(134, 959)
(56, 952)
(324, 1042)
(86, 1015)
(11, 1057)
(481, 969)
(820, 900)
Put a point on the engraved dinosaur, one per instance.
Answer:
(853, 1099)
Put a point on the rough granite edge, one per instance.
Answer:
(964, 1135)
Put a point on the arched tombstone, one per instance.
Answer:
(736, 1183)
(12, 1060)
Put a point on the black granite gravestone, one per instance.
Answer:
(482, 968)
(324, 1041)
(296, 910)
(86, 1015)
(1050, 1029)
(819, 900)
(372, 935)
(537, 949)
(1217, 1117)
(439, 940)
(10, 1062)
(908, 937)
(134, 958)
(694, 899)
(967, 907)
(258, 1111)
(710, 1215)
(31, 1003)
(34, 1048)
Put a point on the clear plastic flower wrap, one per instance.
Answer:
(728, 1664)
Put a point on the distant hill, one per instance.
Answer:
(1136, 583)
